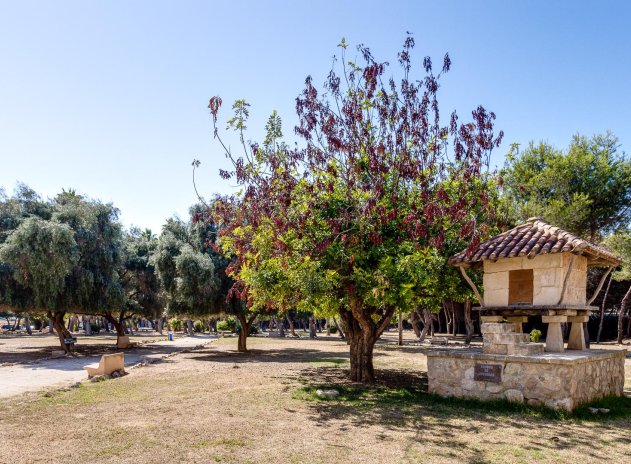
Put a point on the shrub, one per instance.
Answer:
(535, 335)
(176, 324)
(95, 328)
(199, 327)
(227, 325)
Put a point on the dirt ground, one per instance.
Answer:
(22, 348)
(215, 405)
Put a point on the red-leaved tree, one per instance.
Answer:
(351, 220)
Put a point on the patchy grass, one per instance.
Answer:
(405, 398)
(329, 362)
(216, 405)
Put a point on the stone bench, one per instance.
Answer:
(107, 364)
(122, 342)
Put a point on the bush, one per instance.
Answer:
(95, 328)
(535, 335)
(199, 327)
(331, 325)
(176, 324)
(227, 325)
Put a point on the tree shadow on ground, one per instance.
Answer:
(399, 401)
(281, 355)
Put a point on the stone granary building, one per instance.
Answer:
(537, 269)
(534, 269)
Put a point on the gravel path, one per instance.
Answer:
(20, 378)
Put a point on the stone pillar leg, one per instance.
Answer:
(577, 334)
(554, 338)
(518, 322)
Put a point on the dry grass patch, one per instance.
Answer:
(215, 405)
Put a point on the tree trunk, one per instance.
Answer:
(400, 327)
(246, 324)
(57, 319)
(427, 324)
(27, 324)
(414, 321)
(340, 329)
(363, 332)
(117, 323)
(160, 325)
(87, 327)
(312, 327)
(602, 310)
(448, 317)
(468, 322)
(291, 326)
(189, 324)
(51, 326)
(626, 301)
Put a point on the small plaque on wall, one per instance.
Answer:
(487, 372)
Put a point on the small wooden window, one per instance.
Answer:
(520, 286)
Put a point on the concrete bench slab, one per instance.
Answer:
(108, 364)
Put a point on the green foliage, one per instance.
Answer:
(42, 255)
(586, 189)
(198, 327)
(228, 325)
(138, 275)
(620, 244)
(93, 285)
(535, 335)
(253, 329)
(191, 273)
(176, 324)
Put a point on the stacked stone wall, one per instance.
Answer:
(558, 381)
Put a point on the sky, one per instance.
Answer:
(110, 97)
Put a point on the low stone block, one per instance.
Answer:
(558, 382)
(494, 349)
(497, 327)
(526, 349)
(506, 338)
(329, 394)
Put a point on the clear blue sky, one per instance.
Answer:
(110, 97)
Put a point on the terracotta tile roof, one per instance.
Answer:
(535, 237)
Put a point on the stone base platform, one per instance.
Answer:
(555, 380)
